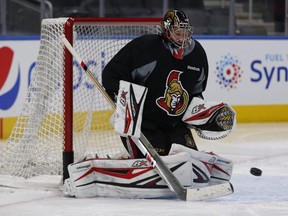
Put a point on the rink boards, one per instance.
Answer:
(249, 73)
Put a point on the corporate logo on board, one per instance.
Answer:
(229, 72)
(7, 96)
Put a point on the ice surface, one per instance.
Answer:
(251, 145)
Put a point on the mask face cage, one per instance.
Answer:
(176, 28)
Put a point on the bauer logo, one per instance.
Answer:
(9, 89)
(229, 72)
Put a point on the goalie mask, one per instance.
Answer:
(176, 28)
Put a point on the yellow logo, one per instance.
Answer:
(175, 99)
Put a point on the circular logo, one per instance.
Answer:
(7, 98)
(229, 72)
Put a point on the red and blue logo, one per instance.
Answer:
(7, 98)
(229, 72)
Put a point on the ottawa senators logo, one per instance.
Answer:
(176, 98)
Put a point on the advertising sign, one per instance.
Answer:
(17, 62)
(247, 72)
(241, 72)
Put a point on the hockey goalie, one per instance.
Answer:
(135, 177)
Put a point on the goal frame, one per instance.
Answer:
(68, 151)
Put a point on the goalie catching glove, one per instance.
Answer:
(211, 120)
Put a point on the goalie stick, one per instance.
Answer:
(186, 194)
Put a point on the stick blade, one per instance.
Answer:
(210, 192)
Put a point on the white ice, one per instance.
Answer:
(251, 145)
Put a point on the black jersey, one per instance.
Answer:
(171, 83)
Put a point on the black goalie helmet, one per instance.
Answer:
(176, 28)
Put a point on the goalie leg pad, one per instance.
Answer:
(71, 185)
(221, 170)
(132, 178)
(199, 160)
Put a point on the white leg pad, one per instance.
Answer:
(221, 171)
(132, 178)
(220, 168)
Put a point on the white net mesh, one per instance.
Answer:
(36, 144)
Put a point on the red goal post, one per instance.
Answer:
(64, 117)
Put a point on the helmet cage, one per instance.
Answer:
(180, 36)
(176, 28)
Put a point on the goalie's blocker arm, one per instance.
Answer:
(211, 120)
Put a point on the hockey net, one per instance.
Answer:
(65, 117)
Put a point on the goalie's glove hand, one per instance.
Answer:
(221, 120)
(220, 125)
(211, 120)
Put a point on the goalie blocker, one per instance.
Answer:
(129, 109)
(136, 178)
